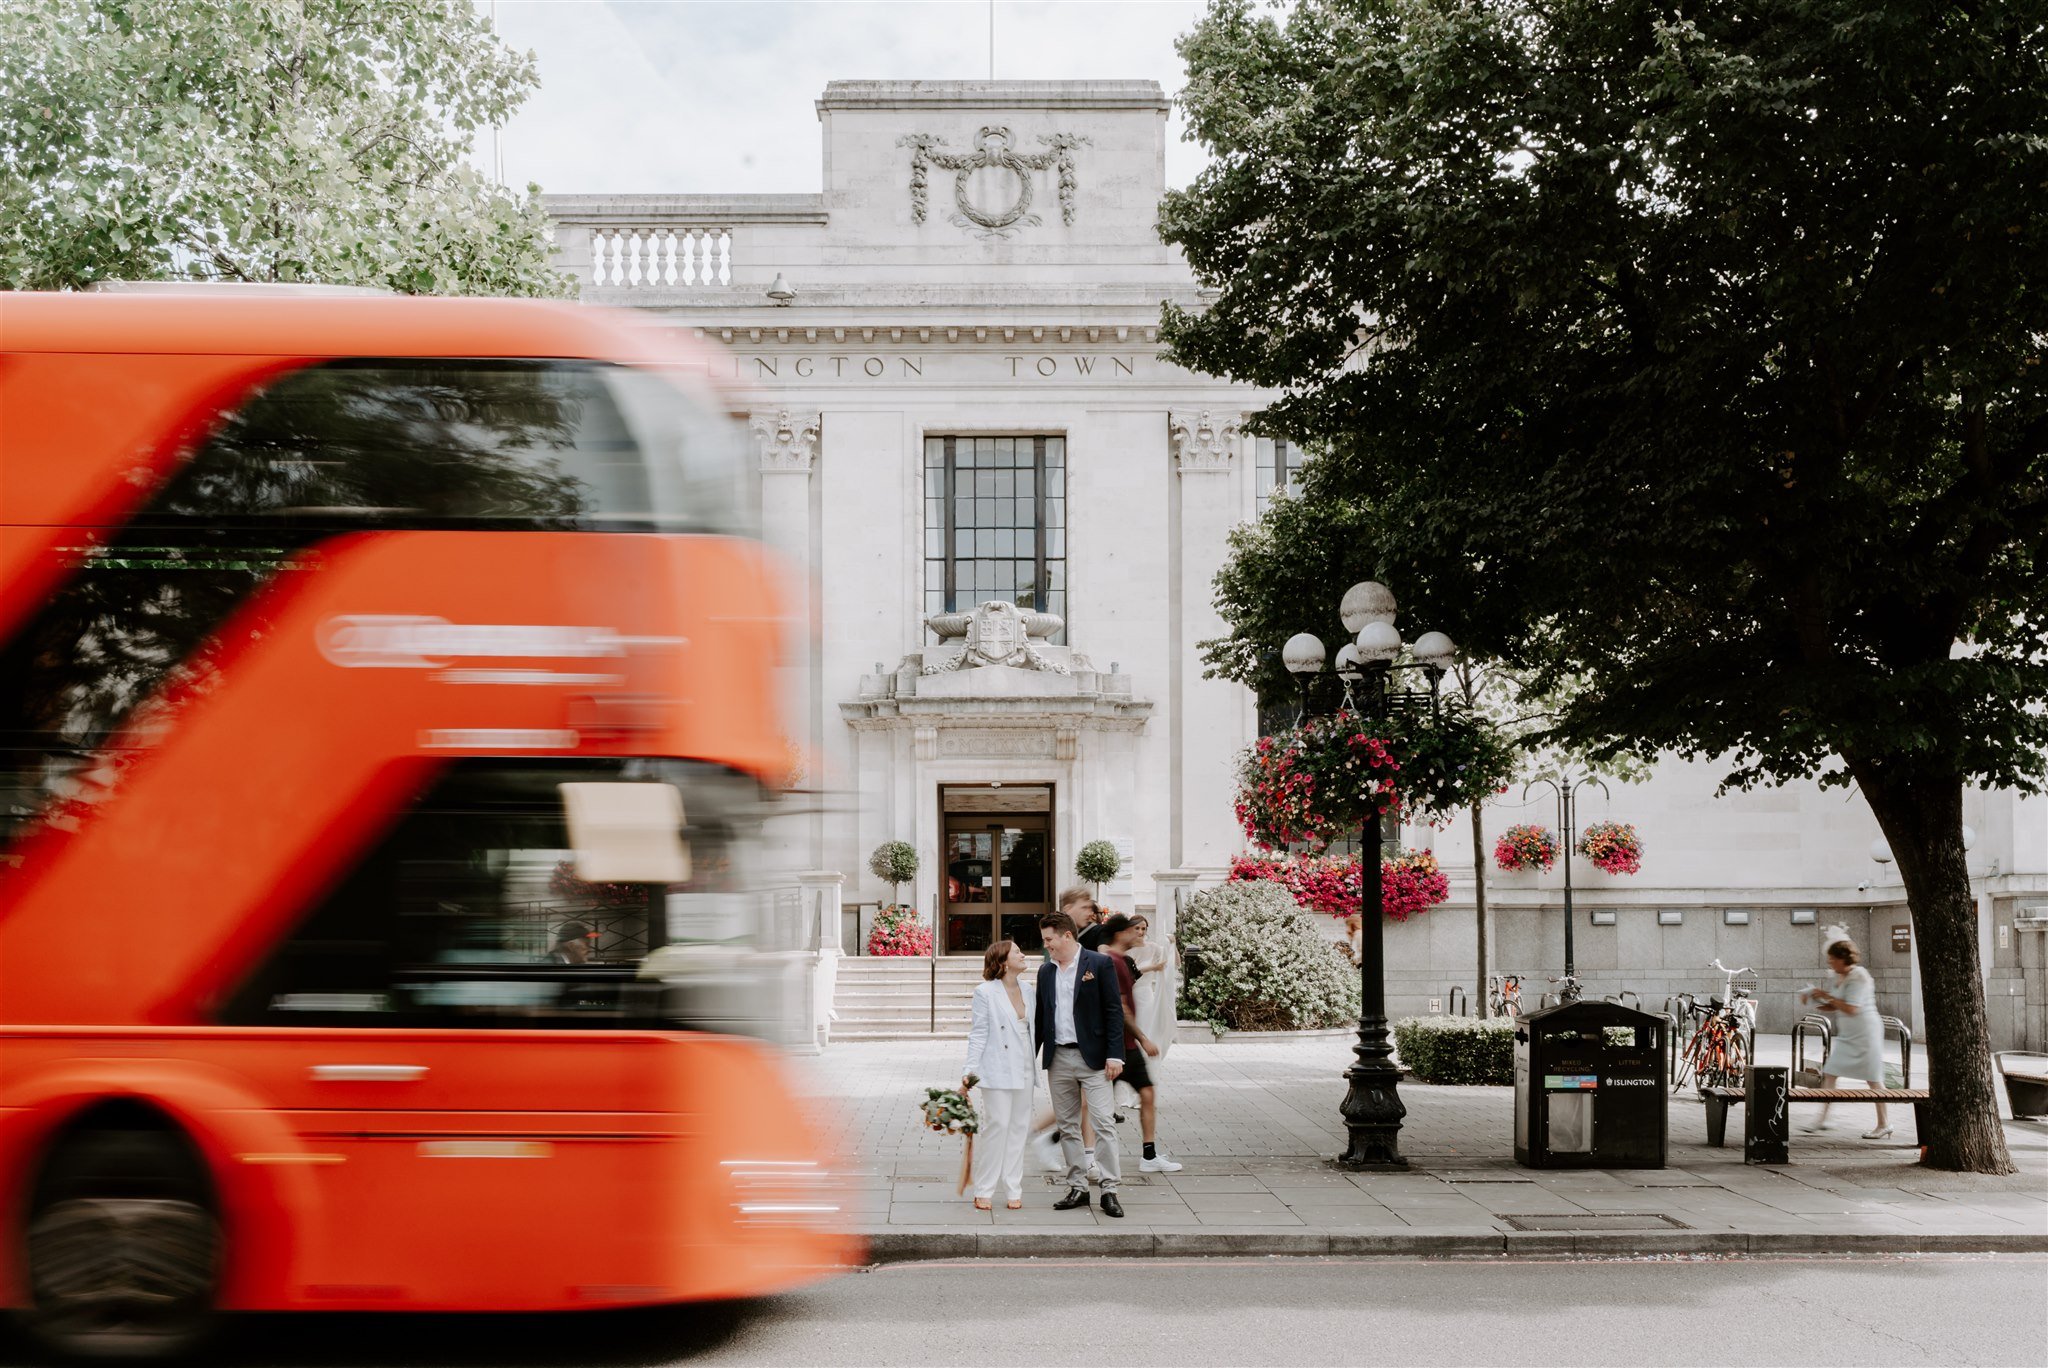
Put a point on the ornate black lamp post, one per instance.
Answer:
(1372, 1106)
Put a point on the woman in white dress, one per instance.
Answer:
(1857, 1050)
(1002, 1055)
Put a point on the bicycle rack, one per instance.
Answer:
(1905, 1032)
(1813, 1023)
(1455, 1002)
(1636, 999)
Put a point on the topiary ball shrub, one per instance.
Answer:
(1257, 962)
(1098, 862)
(894, 862)
(1443, 1049)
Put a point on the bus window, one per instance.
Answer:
(471, 912)
(483, 445)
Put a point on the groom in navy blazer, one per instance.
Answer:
(1081, 1036)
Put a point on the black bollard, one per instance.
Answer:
(1767, 1119)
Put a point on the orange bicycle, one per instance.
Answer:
(1716, 1054)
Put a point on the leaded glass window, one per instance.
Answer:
(995, 523)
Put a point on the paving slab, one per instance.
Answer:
(1255, 1126)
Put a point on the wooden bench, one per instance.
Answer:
(2026, 1081)
(1719, 1100)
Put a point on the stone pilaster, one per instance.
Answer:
(1205, 447)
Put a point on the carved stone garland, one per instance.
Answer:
(992, 148)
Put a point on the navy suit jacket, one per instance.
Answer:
(1098, 1010)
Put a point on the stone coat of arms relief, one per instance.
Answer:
(1000, 633)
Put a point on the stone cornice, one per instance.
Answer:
(993, 96)
(1006, 714)
(937, 335)
(676, 210)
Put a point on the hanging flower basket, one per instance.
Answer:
(1525, 847)
(1304, 787)
(1312, 784)
(1409, 883)
(1613, 847)
(897, 931)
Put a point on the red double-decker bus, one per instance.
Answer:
(384, 712)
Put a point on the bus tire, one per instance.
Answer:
(122, 1244)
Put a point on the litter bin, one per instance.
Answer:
(1589, 1087)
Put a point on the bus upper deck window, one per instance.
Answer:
(515, 445)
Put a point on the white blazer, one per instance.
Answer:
(999, 1046)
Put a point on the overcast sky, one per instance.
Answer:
(715, 96)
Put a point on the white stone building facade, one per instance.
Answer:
(951, 354)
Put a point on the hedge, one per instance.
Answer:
(1443, 1049)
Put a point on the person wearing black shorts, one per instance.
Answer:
(1122, 934)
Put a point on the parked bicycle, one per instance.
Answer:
(1716, 1053)
(1504, 994)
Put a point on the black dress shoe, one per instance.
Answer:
(1111, 1206)
(1076, 1197)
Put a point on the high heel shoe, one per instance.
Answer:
(1880, 1133)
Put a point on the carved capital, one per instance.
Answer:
(1204, 443)
(786, 441)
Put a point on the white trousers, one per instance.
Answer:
(999, 1145)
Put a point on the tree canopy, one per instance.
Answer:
(1695, 352)
(261, 140)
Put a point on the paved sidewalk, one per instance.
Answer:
(1255, 1122)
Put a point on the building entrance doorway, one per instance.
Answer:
(999, 863)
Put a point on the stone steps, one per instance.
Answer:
(891, 997)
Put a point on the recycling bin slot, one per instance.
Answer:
(1590, 1081)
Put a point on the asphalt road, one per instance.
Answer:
(1860, 1312)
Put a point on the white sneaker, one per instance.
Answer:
(1094, 1172)
(1163, 1164)
(1049, 1156)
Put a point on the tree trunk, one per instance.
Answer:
(1922, 818)
(1479, 902)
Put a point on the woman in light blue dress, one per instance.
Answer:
(1857, 1049)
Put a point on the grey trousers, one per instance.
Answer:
(1071, 1080)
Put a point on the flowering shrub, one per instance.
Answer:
(1525, 847)
(1613, 847)
(1309, 785)
(897, 931)
(1257, 962)
(1409, 883)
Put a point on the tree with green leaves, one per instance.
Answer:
(1692, 352)
(261, 140)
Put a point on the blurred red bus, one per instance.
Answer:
(384, 694)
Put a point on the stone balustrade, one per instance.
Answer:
(690, 244)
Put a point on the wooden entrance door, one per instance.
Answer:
(998, 878)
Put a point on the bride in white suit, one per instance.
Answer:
(1002, 1054)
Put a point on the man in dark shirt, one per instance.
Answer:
(1080, 904)
(1121, 935)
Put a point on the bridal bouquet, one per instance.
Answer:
(950, 1113)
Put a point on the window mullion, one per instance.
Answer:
(1040, 594)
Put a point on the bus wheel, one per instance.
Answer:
(123, 1246)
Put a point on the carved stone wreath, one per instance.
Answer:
(993, 147)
